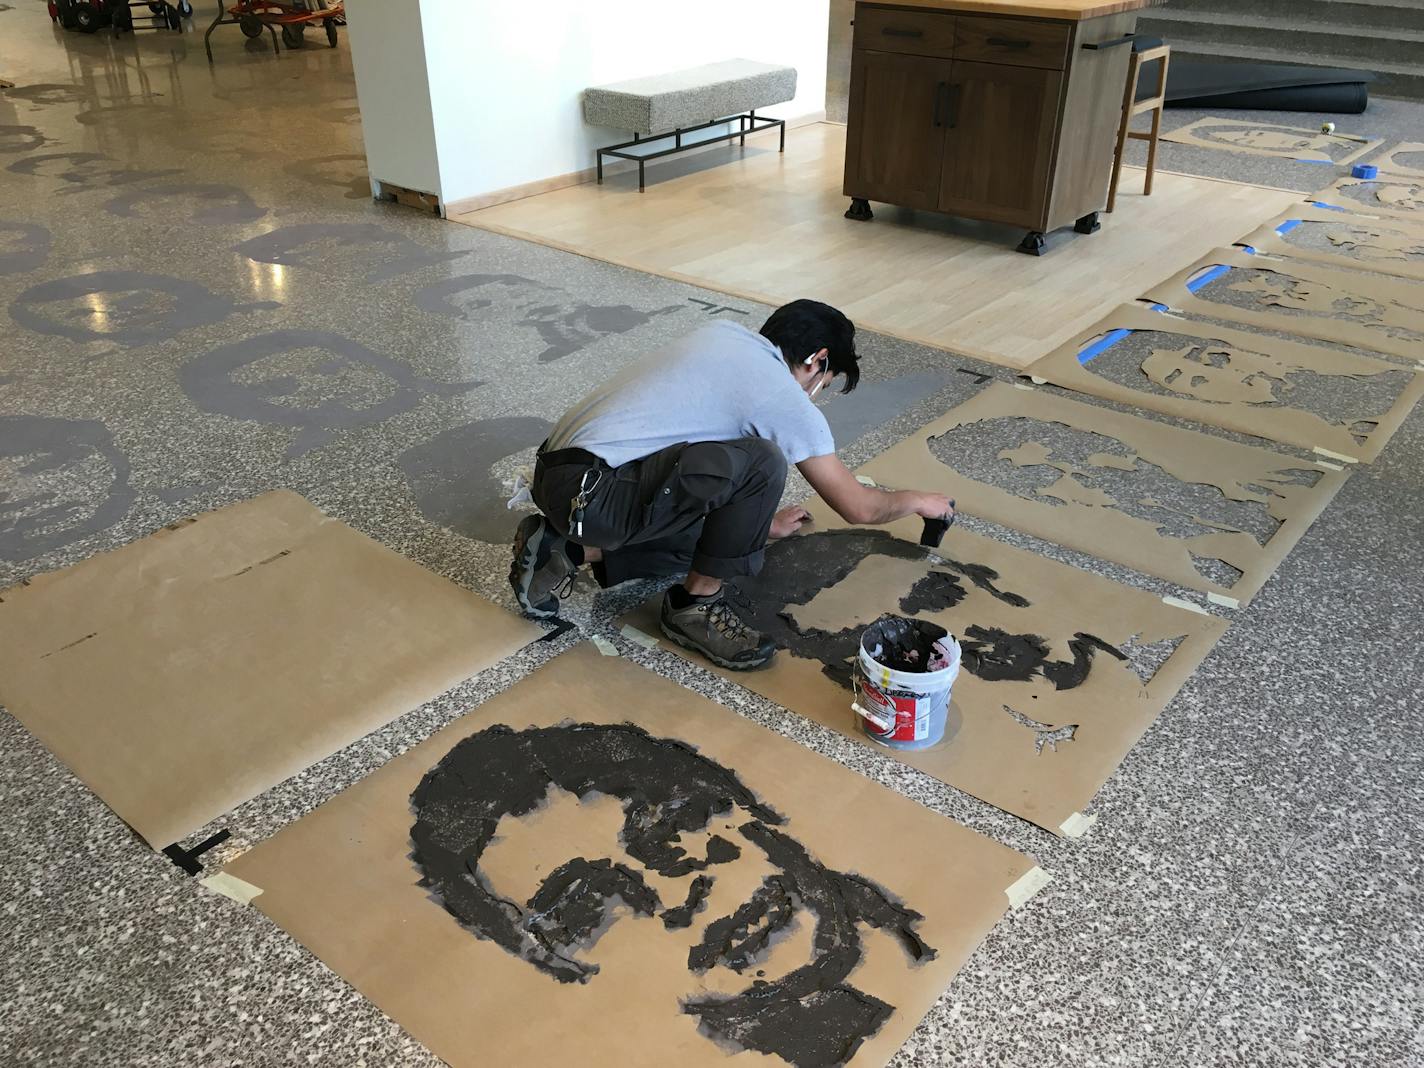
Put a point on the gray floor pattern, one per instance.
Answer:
(201, 303)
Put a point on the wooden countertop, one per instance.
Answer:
(1034, 9)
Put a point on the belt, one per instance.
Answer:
(560, 457)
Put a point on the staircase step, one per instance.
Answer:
(1372, 14)
(1405, 80)
(1327, 43)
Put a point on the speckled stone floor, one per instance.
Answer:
(1250, 894)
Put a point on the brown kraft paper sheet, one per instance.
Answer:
(1270, 139)
(1389, 162)
(1358, 242)
(1366, 311)
(194, 668)
(1240, 381)
(1063, 670)
(1071, 508)
(346, 881)
(1389, 195)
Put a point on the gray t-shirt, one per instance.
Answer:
(719, 383)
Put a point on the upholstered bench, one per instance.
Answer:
(687, 101)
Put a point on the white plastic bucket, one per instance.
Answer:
(903, 709)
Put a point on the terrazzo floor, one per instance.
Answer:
(1251, 891)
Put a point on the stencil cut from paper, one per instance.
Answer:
(670, 882)
(1309, 396)
(1366, 311)
(1405, 159)
(1268, 139)
(1206, 513)
(1086, 662)
(1400, 198)
(1344, 240)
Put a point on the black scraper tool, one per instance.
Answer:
(935, 529)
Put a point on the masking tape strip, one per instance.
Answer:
(1022, 385)
(637, 637)
(1076, 825)
(1328, 465)
(604, 646)
(1026, 886)
(1223, 600)
(1335, 455)
(1038, 381)
(231, 886)
(1182, 602)
(865, 480)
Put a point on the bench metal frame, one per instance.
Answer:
(748, 122)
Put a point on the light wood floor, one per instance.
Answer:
(768, 227)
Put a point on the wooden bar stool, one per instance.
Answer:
(1133, 107)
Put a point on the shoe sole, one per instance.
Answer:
(730, 665)
(521, 571)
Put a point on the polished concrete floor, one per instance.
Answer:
(202, 303)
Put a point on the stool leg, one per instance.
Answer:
(1128, 96)
(1152, 152)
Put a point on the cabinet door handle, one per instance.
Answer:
(939, 103)
(1009, 42)
(1097, 46)
(951, 104)
(895, 31)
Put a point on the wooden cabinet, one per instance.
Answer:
(1002, 118)
(999, 142)
(899, 159)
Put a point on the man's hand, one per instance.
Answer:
(933, 506)
(789, 521)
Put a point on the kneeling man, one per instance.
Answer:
(675, 466)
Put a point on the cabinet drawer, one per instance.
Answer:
(1019, 42)
(917, 33)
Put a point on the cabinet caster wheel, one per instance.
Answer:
(1088, 224)
(1033, 243)
(859, 210)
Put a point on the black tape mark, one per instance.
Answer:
(187, 859)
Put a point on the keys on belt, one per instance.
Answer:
(580, 500)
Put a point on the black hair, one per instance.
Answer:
(804, 327)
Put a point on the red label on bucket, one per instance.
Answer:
(902, 717)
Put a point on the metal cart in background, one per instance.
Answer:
(291, 17)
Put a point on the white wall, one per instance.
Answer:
(505, 78)
(388, 53)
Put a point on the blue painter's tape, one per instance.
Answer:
(1287, 226)
(1209, 277)
(1107, 341)
(1158, 307)
(1250, 250)
(1326, 162)
(1328, 207)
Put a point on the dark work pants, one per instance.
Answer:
(705, 507)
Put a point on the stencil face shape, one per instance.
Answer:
(314, 381)
(205, 205)
(23, 246)
(564, 323)
(63, 479)
(811, 1015)
(130, 307)
(452, 480)
(381, 253)
(19, 138)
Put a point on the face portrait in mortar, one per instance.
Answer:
(810, 1015)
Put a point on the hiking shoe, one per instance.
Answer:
(542, 573)
(712, 628)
